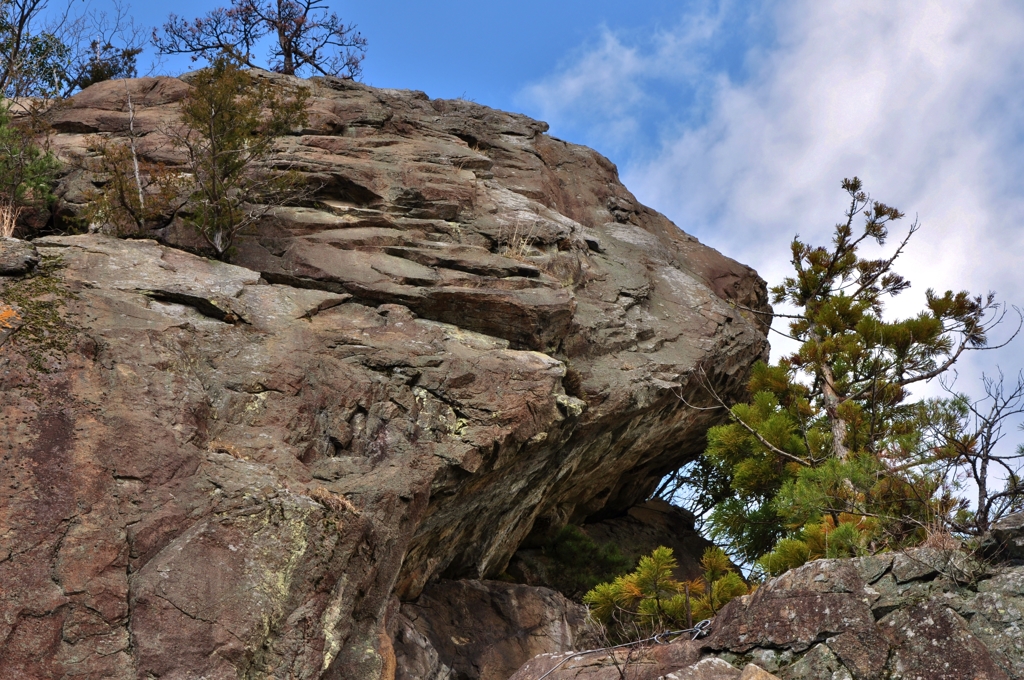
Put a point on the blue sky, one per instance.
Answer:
(738, 120)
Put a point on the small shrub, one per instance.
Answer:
(519, 242)
(823, 539)
(27, 173)
(650, 600)
(332, 501)
(230, 122)
(136, 194)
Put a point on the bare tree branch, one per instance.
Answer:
(306, 37)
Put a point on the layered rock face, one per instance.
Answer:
(474, 335)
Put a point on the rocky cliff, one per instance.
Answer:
(472, 336)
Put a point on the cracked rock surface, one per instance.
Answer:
(223, 470)
(922, 613)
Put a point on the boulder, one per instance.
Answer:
(819, 663)
(643, 662)
(238, 469)
(930, 640)
(708, 669)
(846, 620)
(803, 607)
(484, 629)
(17, 257)
(1005, 540)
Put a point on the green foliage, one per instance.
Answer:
(106, 61)
(815, 541)
(136, 193)
(67, 55)
(698, 486)
(829, 456)
(650, 599)
(31, 64)
(27, 173)
(230, 121)
(580, 563)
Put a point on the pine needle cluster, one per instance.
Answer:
(651, 600)
(27, 172)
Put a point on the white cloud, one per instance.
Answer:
(612, 86)
(923, 101)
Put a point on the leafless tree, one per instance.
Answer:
(305, 37)
(103, 46)
(967, 434)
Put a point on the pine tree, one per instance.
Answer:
(829, 449)
(230, 123)
(650, 600)
(27, 172)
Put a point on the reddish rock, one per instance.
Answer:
(227, 470)
(484, 629)
(643, 662)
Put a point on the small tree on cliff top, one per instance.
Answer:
(306, 37)
(52, 54)
(229, 126)
(829, 450)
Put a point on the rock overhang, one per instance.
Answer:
(475, 330)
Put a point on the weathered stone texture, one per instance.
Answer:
(484, 629)
(16, 257)
(233, 470)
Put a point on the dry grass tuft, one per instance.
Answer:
(332, 501)
(8, 219)
(520, 241)
(941, 540)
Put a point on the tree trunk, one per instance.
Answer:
(832, 402)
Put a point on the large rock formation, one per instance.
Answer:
(474, 335)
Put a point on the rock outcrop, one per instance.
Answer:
(221, 470)
(484, 629)
(16, 257)
(924, 613)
